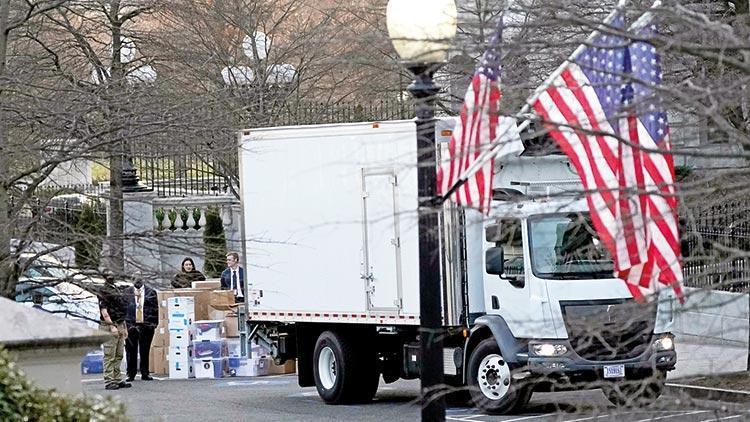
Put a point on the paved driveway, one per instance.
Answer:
(278, 398)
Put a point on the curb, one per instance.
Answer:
(706, 393)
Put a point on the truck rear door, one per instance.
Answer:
(381, 246)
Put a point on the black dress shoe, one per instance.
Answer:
(124, 384)
(130, 379)
(147, 378)
(112, 387)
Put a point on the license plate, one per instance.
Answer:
(614, 371)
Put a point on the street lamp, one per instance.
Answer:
(421, 32)
(263, 75)
(144, 74)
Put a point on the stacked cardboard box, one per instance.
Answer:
(173, 337)
(180, 317)
(198, 336)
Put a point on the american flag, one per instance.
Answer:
(478, 125)
(583, 109)
(644, 126)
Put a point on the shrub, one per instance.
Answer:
(215, 243)
(90, 230)
(20, 400)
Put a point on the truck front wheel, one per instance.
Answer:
(493, 388)
(343, 373)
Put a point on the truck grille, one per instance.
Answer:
(611, 330)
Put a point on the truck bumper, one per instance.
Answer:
(576, 369)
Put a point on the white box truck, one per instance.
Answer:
(529, 301)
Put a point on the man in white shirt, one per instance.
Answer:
(233, 277)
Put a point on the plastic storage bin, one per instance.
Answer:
(209, 349)
(209, 368)
(209, 330)
(93, 362)
(234, 347)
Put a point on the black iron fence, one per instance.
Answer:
(207, 168)
(716, 245)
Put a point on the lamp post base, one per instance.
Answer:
(130, 178)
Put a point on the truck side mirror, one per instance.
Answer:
(493, 260)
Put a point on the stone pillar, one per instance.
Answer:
(141, 249)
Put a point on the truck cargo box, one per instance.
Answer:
(330, 222)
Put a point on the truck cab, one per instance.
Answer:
(555, 316)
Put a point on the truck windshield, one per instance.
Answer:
(566, 246)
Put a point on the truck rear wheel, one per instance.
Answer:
(493, 389)
(343, 372)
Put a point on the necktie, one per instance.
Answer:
(138, 306)
(236, 284)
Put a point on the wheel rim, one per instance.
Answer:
(494, 377)
(327, 368)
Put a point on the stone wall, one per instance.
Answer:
(712, 317)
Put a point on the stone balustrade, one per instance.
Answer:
(174, 229)
(189, 214)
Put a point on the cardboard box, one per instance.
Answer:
(181, 337)
(222, 300)
(215, 314)
(289, 367)
(231, 326)
(181, 369)
(207, 284)
(180, 311)
(180, 362)
(161, 336)
(201, 305)
(157, 361)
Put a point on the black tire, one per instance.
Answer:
(523, 396)
(492, 388)
(635, 393)
(353, 377)
(458, 397)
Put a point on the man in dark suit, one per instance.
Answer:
(233, 277)
(141, 318)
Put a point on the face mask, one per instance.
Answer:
(138, 284)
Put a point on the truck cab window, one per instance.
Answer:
(507, 235)
(568, 247)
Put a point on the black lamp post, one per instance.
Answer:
(421, 31)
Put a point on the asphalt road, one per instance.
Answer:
(279, 398)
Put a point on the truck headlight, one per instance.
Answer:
(549, 349)
(664, 343)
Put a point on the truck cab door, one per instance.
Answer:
(381, 243)
(510, 289)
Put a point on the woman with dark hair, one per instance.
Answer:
(187, 275)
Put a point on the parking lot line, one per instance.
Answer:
(723, 419)
(673, 416)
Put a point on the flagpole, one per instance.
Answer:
(492, 150)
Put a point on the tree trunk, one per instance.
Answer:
(7, 282)
(116, 220)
